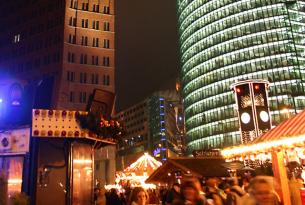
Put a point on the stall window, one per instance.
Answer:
(82, 174)
(10, 176)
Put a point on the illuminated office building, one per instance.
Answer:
(70, 40)
(225, 41)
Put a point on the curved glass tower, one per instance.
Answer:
(225, 41)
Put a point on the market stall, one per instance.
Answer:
(284, 146)
(14, 151)
(62, 161)
(138, 172)
(175, 169)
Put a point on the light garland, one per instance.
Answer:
(143, 163)
(288, 142)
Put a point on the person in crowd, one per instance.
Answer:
(245, 184)
(96, 193)
(190, 194)
(199, 188)
(261, 192)
(173, 194)
(123, 199)
(112, 198)
(139, 196)
(212, 192)
(235, 193)
(163, 194)
(153, 198)
(101, 198)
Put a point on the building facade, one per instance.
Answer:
(72, 40)
(226, 41)
(155, 125)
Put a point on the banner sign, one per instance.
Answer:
(15, 141)
(208, 153)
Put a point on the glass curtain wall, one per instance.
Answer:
(225, 41)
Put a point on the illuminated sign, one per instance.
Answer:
(209, 153)
(15, 141)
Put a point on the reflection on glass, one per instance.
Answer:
(82, 174)
(10, 177)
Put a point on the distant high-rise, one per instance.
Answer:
(225, 41)
(155, 125)
(72, 40)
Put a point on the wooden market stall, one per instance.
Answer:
(179, 168)
(282, 144)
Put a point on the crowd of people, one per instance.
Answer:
(257, 191)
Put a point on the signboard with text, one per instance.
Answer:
(208, 153)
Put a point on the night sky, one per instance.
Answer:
(147, 56)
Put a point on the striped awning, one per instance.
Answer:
(292, 127)
(289, 133)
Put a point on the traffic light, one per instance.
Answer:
(253, 110)
(245, 112)
(261, 107)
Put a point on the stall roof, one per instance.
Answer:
(198, 167)
(145, 163)
(294, 126)
(286, 134)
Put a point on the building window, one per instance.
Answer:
(83, 77)
(73, 4)
(106, 80)
(106, 61)
(106, 26)
(95, 42)
(94, 60)
(85, 23)
(16, 38)
(72, 39)
(71, 58)
(71, 96)
(83, 59)
(82, 97)
(106, 43)
(106, 10)
(95, 25)
(72, 21)
(85, 6)
(70, 76)
(94, 78)
(56, 57)
(84, 41)
(96, 8)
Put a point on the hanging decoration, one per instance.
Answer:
(107, 129)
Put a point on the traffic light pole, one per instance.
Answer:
(254, 113)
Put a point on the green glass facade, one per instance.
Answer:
(225, 41)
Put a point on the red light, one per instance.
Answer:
(50, 112)
(63, 133)
(238, 90)
(37, 112)
(256, 87)
(64, 113)
(50, 133)
(36, 132)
